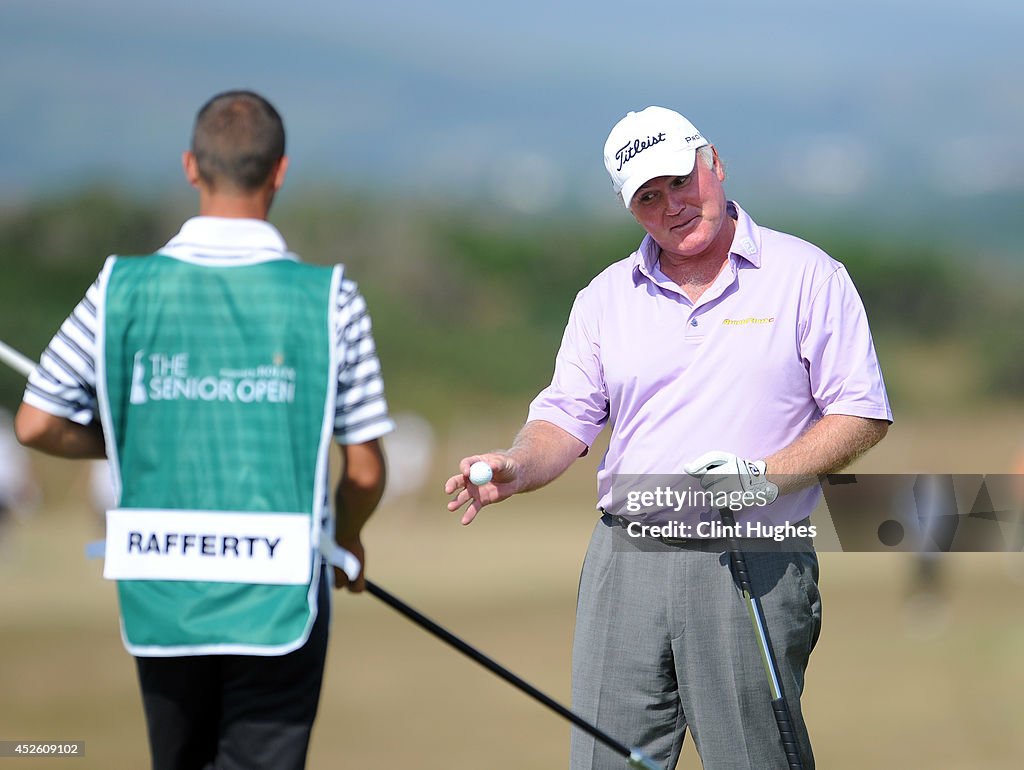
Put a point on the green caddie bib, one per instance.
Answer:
(216, 387)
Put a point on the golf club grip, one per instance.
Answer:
(739, 561)
(787, 733)
(494, 667)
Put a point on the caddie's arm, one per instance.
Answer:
(360, 488)
(828, 446)
(58, 436)
(540, 453)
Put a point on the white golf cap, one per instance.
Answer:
(647, 144)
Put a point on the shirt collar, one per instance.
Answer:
(746, 245)
(227, 241)
(746, 241)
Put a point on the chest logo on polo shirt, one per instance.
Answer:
(748, 321)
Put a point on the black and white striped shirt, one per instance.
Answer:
(64, 383)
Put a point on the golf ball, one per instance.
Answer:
(480, 472)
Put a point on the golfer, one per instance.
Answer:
(730, 355)
(213, 375)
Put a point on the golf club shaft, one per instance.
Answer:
(19, 363)
(636, 759)
(783, 719)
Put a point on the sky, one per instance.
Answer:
(894, 104)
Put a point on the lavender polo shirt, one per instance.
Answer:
(778, 340)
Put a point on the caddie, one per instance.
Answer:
(718, 350)
(215, 374)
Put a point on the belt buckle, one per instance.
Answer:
(675, 541)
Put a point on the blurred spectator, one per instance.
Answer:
(19, 493)
(101, 491)
(409, 452)
(1015, 558)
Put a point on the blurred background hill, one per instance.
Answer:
(897, 115)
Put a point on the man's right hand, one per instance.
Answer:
(502, 485)
(540, 454)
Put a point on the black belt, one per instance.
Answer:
(622, 521)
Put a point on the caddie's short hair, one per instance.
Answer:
(237, 139)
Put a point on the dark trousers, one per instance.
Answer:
(235, 712)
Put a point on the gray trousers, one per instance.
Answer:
(663, 643)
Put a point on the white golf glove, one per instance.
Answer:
(739, 479)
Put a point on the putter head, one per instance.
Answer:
(640, 760)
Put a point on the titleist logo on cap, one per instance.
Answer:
(630, 150)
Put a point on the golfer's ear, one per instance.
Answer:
(191, 167)
(279, 172)
(719, 167)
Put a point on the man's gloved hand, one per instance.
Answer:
(724, 472)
